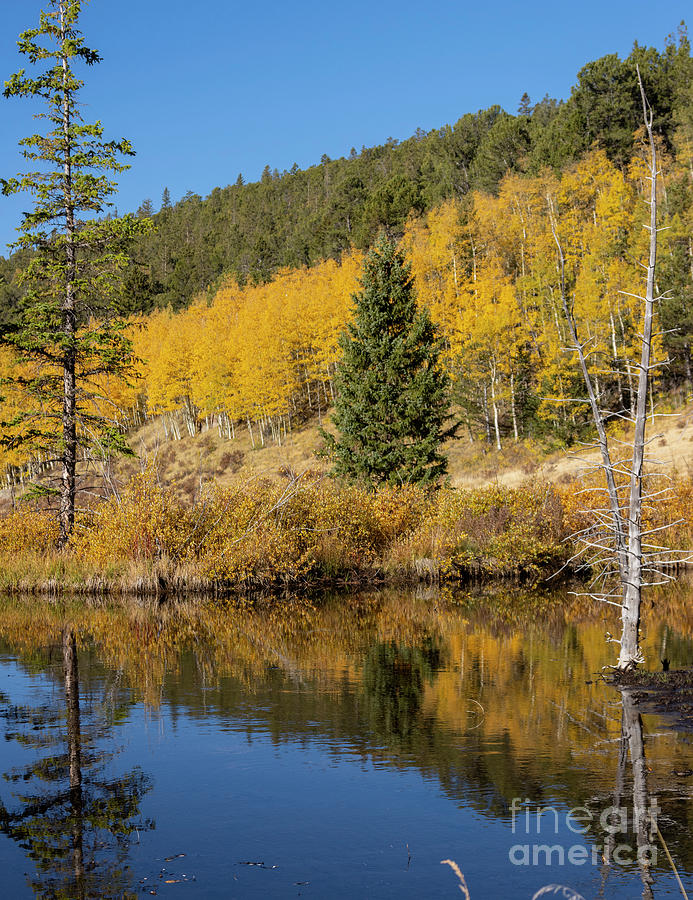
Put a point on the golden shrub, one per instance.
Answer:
(146, 522)
(27, 529)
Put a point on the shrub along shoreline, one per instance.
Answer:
(301, 534)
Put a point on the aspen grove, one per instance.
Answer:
(262, 357)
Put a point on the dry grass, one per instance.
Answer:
(470, 465)
(206, 455)
(191, 462)
(462, 882)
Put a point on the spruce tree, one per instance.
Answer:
(392, 394)
(69, 336)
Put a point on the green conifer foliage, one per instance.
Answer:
(69, 334)
(392, 394)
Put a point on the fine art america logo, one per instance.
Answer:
(609, 830)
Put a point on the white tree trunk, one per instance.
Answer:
(632, 589)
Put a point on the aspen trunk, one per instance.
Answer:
(616, 365)
(495, 409)
(486, 416)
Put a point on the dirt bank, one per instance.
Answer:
(668, 694)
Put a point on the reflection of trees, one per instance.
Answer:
(631, 733)
(394, 679)
(631, 744)
(393, 682)
(74, 755)
(71, 819)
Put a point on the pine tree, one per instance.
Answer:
(525, 107)
(392, 394)
(69, 338)
(146, 209)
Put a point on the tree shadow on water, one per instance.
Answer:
(71, 818)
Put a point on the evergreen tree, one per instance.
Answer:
(68, 336)
(146, 209)
(317, 213)
(392, 395)
(525, 107)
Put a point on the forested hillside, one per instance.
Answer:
(265, 355)
(486, 268)
(300, 217)
(236, 302)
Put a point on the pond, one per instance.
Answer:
(338, 748)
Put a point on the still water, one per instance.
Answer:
(338, 748)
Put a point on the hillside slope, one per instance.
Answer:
(299, 217)
(191, 461)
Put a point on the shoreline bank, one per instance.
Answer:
(425, 571)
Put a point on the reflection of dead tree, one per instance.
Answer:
(631, 735)
(624, 556)
(631, 744)
(619, 790)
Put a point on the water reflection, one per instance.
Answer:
(394, 679)
(72, 821)
(631, 813)
(484, 703)
(632, 738)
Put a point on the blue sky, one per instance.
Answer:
(209, 89)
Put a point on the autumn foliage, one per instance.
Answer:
(485, 267)
(261, 357)
(263, 532)
(264, 356)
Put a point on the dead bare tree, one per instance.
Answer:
(624, 556)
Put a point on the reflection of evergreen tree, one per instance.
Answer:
(323, 675)
(394, 680)
(71, 819)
